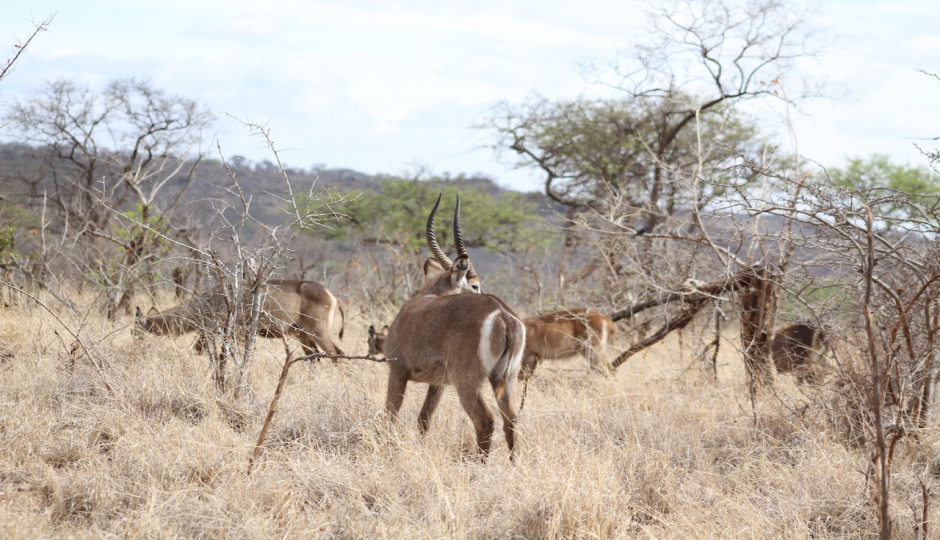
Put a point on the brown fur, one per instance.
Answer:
(441, 337)
(797, 349)
(565, 334)
(304, 309)
(450, 334)
(376, 341)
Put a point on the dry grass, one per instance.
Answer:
(144, 448)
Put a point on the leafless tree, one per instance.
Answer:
(632, 172)
(248, 265)
(703, 57)
(20, 46)
(129, 149)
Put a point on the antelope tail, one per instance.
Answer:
(343, 315)
(511, 358)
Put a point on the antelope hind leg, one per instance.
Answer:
(475, 406)
(508, 411)
(431, 401)
(397, 382)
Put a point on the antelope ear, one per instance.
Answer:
(385, 329)
(461, 266)
(432, 268)
(371, 331)
(153, 311)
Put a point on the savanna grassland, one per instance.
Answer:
(141, 446)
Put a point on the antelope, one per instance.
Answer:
(451, 334)
(564, 334)
(376, 341)
(304, 309)
(796, 348)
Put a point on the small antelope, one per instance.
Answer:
(376, 341)
(304, 309)
(797, 348)
(450, 334)
(563, 334)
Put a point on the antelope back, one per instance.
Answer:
(565, 333)
(303, 308)
(450, 339)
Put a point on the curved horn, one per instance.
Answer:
(432, 240)
(458, 240)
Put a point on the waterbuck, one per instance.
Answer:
(304, 309)
(797, 349)
(450, 334)
(566, 333)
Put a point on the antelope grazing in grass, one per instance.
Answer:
(450, 334)
(796, 349)
(304, 309)
(564, 334)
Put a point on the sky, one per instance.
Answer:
(389, 86)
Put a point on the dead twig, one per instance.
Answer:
(288, 362)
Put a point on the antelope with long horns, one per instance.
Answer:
(451, 334)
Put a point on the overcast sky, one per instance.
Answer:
(379, 86)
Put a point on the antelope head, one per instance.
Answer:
(377, 341)
(443, 276)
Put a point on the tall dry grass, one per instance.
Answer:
(144, 448)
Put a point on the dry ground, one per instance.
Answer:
(144, 448)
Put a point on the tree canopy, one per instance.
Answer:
(397, 212)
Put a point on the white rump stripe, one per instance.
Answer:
(486, 338)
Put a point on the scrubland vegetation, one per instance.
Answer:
(144, 447)
(666, 208)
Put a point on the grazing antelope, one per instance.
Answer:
(443, 336)
(797, 348)
(563, 334)
(304, 309)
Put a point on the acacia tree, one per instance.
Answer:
(597, 161)
(701, 60)
(703, 56)
(129, 149)
(388, 225)
(671, 144)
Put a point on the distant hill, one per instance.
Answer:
(22, 183)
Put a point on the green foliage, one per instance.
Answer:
(143, 227)
(6, 241)
(593, 150)
(397, 214)
(13, 220)
(894, 191)
(877, 171)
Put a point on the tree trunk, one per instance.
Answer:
(758, 305)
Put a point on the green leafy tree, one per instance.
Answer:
(897, 190)
(877, 171)
(385, 229)
(599, 154)
(397, 214)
